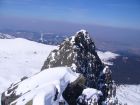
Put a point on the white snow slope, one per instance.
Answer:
(20, 57)
(129, 94)
(42, 87)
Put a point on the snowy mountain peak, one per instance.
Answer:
(70, 73)
(82, 31)
(78, 52)
(71, 51)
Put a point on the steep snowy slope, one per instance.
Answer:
(44, 88)
(20, 57)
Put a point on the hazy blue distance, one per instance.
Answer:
(111, 20)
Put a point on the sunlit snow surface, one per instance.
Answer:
(42, 87)
(129, 94)
(107, 56)
(21, 57)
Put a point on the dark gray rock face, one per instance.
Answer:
(77, 52)
(6, 100)
(74, 90)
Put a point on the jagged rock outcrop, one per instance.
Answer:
(79, 53)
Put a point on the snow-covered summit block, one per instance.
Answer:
(82, 31)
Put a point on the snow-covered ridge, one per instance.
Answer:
(20, 45)
(42, 87)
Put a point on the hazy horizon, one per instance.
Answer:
(117, 21)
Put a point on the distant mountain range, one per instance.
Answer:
(57, 38)
(6, 36)
(42, 37)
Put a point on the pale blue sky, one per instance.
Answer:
(115, 13)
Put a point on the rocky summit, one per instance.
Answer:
(79, 54)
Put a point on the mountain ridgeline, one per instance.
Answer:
(79, 54)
